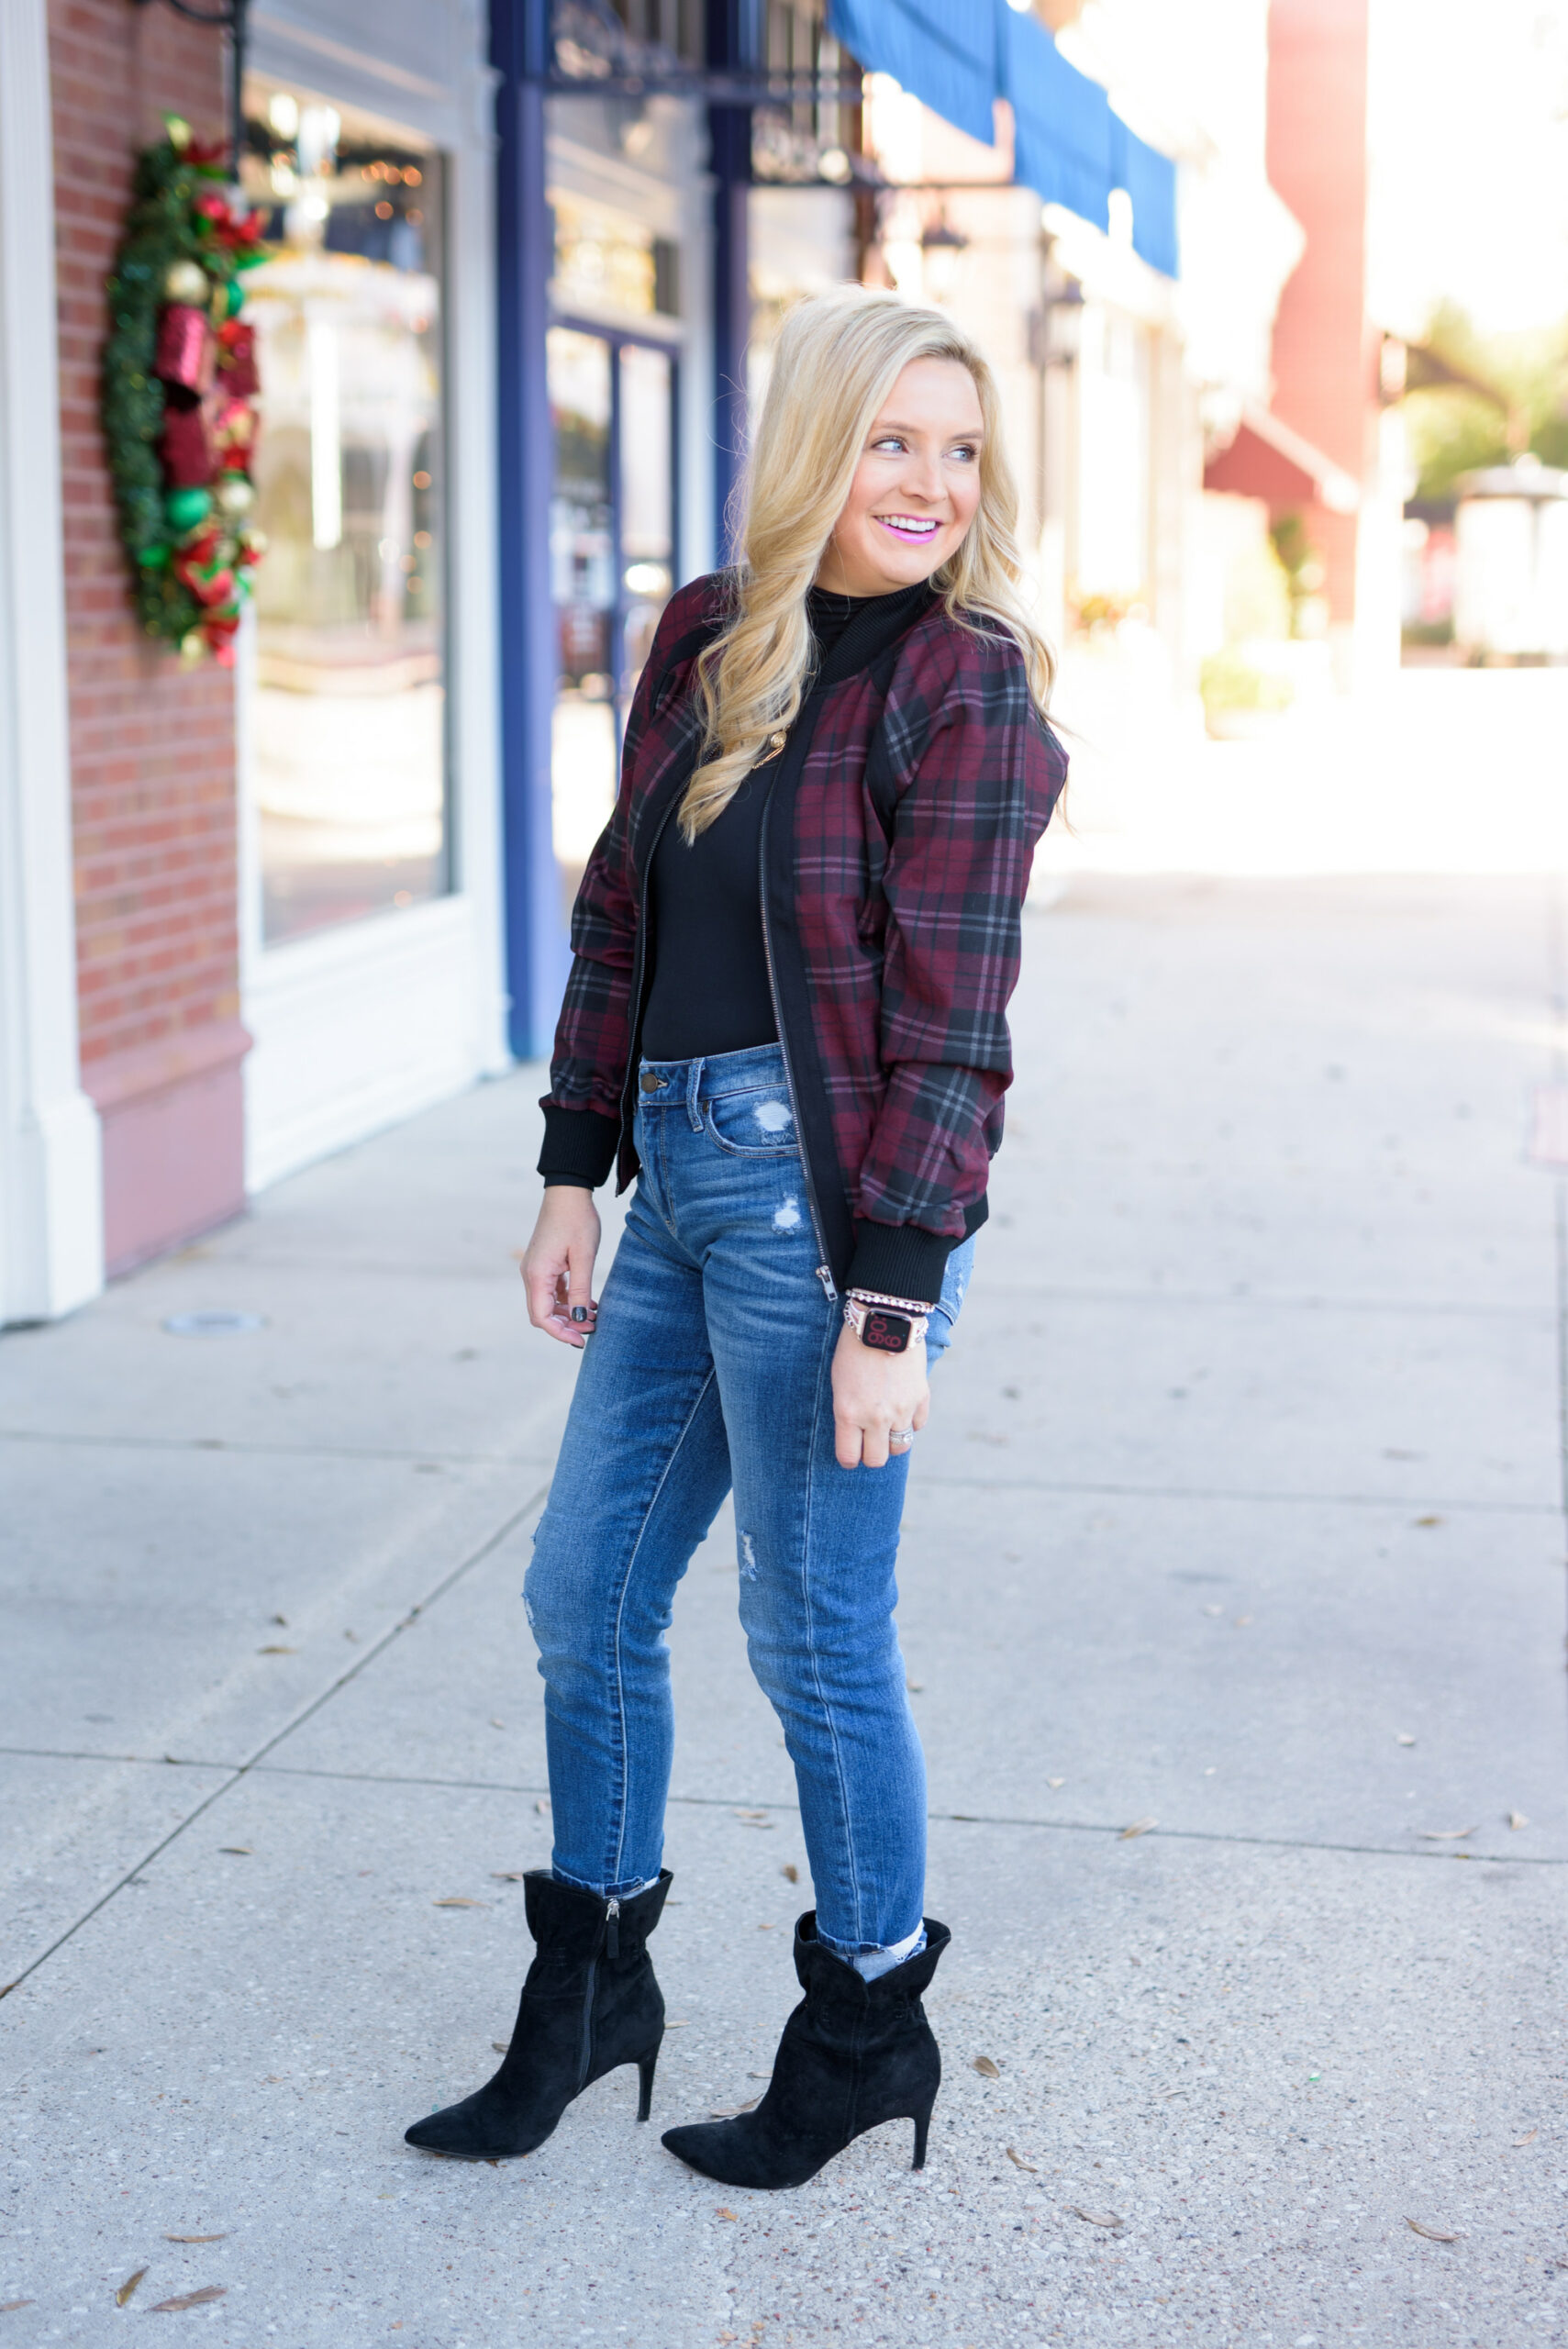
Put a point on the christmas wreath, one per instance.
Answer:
(179, 380)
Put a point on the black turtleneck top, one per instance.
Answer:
(709, 991)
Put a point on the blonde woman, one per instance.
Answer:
(786, 1020)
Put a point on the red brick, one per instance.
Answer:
(153, 744)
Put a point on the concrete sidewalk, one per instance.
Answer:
(1239, 1524)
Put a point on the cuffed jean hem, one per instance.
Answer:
(871, 1963)
(606, 1891)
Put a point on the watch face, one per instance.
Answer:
(887, 1332)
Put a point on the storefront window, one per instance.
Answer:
(347, 722)
(612, 549)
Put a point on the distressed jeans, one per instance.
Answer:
(711, 1368)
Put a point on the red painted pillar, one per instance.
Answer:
(1324, 363)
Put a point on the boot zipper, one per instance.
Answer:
(612, 1949)
(586, 2056)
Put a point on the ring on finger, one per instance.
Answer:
(901, 1435)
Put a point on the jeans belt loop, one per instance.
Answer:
(694, 1094)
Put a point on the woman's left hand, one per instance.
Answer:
(872, 1394)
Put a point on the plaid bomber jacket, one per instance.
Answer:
(902, 817)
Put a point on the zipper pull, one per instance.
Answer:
(612, 1929)
(824, 1274)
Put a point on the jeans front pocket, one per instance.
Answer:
(757, 1124)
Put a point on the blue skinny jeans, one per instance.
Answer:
(711, 1368)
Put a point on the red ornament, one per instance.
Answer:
(186, 447)
(187, 351)
(236, 360)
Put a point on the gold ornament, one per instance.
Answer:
(235, 496)
(187, 281)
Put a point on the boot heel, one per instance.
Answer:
(922, 2124)
(645, 2084)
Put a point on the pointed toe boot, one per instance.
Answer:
(590, 2003)
(854, 2054)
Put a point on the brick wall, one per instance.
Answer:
(151, 745)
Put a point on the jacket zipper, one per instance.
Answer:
(612, 1949)
(824, 1270)
(629, 1088)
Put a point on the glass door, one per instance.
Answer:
(612, 556)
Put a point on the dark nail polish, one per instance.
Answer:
(578, 1313)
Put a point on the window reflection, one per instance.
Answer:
(347, 724)
(612, 552)
(582, 591)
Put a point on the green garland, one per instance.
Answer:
(177, 215)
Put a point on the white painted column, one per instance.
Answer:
(51, 1221)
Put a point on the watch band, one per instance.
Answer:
(899, 1304)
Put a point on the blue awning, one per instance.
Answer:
(1061, 121)
(955, 56)
(1150, 179)
(944, 55)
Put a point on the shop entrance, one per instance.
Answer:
(612, 559)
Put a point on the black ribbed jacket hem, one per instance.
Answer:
(579, 1146)
(900, 1259)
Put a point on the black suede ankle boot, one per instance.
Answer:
(853, 2053)
(590, 2003)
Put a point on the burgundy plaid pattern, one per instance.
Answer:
(927, 781)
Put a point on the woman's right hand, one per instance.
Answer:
(558, 1265)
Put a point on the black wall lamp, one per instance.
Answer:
(230, 17)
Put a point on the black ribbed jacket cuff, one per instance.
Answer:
(900, 1259)
(579, 1146)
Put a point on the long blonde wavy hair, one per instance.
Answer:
(836, 359)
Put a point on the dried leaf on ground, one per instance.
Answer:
(915, 1688)
(986, 2069)
(128, 2286)
(1403, 1737)
(282, 1620)
(1426, 1520)
(725, 2214)
(238, 1850)
(1444, 1834)
(1096, 2218)
(277, 1650)
(1528, 2139)
(1138, 1827)
(195, 2238)
(457, 1901)
(681, 2023)
(6, 2306)
(732, 2111)
(509, 1876)
(1517, 1818)
(790, 1871)
(1433, 2235)
(502, 2046)
(542, 1805)
(190, 2299)
(1243, 1622)
(1018, 2162)
(1055, 1783)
